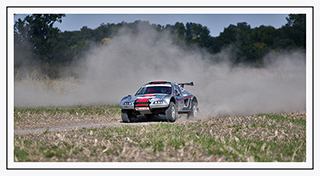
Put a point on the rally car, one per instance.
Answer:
(159, 97)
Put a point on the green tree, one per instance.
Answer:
(263, 39)
(180, 30)
(44, 41)
(101, 32)
(197, 34)
(239, 40)
(24, 57)
(43, 34)
(295, 29)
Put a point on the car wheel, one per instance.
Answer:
(171, 112)
(194, 110)
(148, 116)
(126, 116)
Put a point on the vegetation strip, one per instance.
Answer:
(48, 117)
(259, 138)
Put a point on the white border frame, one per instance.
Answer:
(162, 165)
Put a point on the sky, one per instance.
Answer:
(215, 22)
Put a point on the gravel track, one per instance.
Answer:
(75, 123)
(36, 124)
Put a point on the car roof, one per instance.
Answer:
(159, 83)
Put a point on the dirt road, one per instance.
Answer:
(73, 124)
(39, 123)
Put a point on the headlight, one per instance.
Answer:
(158, 102)
(127, 103)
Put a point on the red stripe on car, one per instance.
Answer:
(141, 105)
(184, 97)
(143, 100)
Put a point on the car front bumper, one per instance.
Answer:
(150, 106)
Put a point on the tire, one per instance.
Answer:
(171, 112)
(126, 116)
(194, 110)
(148, 116)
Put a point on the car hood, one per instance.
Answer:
(150, 97)
(146, 98)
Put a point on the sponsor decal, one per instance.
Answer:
(147, 96)
(142, 108)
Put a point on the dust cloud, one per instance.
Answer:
(119, 68)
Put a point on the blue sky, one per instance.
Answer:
(215, 22)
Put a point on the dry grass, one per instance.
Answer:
(44, 83)
(265, 137)
(55, 117)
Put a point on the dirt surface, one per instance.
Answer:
(36, 124)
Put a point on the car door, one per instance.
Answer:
(179, 97)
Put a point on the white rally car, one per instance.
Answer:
(159, 97)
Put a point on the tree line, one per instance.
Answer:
(37, 43)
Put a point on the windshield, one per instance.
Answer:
(154, 90)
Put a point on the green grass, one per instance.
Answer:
(282, 119)
(21, 154)
(105, 109)
(39, 117)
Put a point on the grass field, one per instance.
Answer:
(257, 138)
(46, 117)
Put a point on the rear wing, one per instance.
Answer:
(188, 84)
